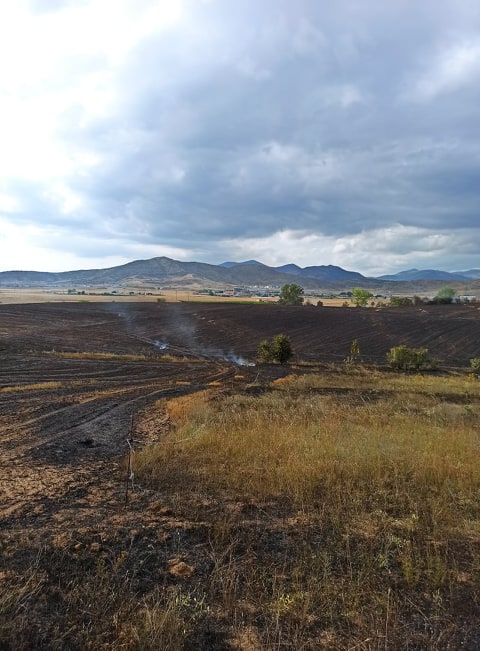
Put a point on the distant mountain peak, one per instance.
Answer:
(424, 274)
(229, 265)
(163, 271)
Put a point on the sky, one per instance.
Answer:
(302, 131)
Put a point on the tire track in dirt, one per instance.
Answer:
(66, 467)
(83, 416)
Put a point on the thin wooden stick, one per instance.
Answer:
(130, 474)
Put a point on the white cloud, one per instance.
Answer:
(452, 68)
(56, 62)
(33, 248)
(177, 126)
(8, 204)
(372, 252)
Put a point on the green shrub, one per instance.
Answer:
(279, 350)
(407, 359)
(400, 301)
(475, 366)
(354, 353)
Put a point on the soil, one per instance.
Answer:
(58, 438)
(65, 421)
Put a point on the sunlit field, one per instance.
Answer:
(343, 510)
(334, 510)
(13, 296)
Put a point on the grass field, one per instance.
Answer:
(333, 510)
(15, 296)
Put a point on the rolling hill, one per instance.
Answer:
(163, 272)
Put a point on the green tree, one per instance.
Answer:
(361, 296)
(291, 294)
(279, 350)
(445, 295)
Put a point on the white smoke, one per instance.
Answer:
(237, 359)
(233, 358)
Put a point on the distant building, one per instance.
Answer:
(465, 299)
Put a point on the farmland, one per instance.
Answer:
(306, 506)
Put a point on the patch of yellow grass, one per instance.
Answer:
(288, 379)
(129, 357)
(93, 355)
(353, 447)
(39, 386)
(44, 386)
(182, 408)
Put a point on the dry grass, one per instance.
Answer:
(47, 386)
(298, 446)
(181, 409)
(366, 496)
(153, 357)
(332, 511)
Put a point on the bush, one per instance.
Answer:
(279, 350)
(444, 296)
(407, 359)
(475, 366)
(400, 301)
(264, 351)
(354, 353)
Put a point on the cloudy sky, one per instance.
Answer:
(304, 131)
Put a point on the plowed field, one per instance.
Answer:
(64, 418)
(221, 332)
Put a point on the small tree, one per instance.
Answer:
(361, 296)
(444, 296)
(354, 353)
(291, 294)
(279, 350)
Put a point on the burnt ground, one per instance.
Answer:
(64, 421)
(216, 331)
(67, 419)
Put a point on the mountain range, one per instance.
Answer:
(163, 271)
(432, 274)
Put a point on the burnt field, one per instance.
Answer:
(76, 380)
(225, 332)
(74, 375)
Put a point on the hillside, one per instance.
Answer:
(164, 272)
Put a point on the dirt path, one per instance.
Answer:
(62, 442)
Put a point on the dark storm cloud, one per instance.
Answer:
(245, 118)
